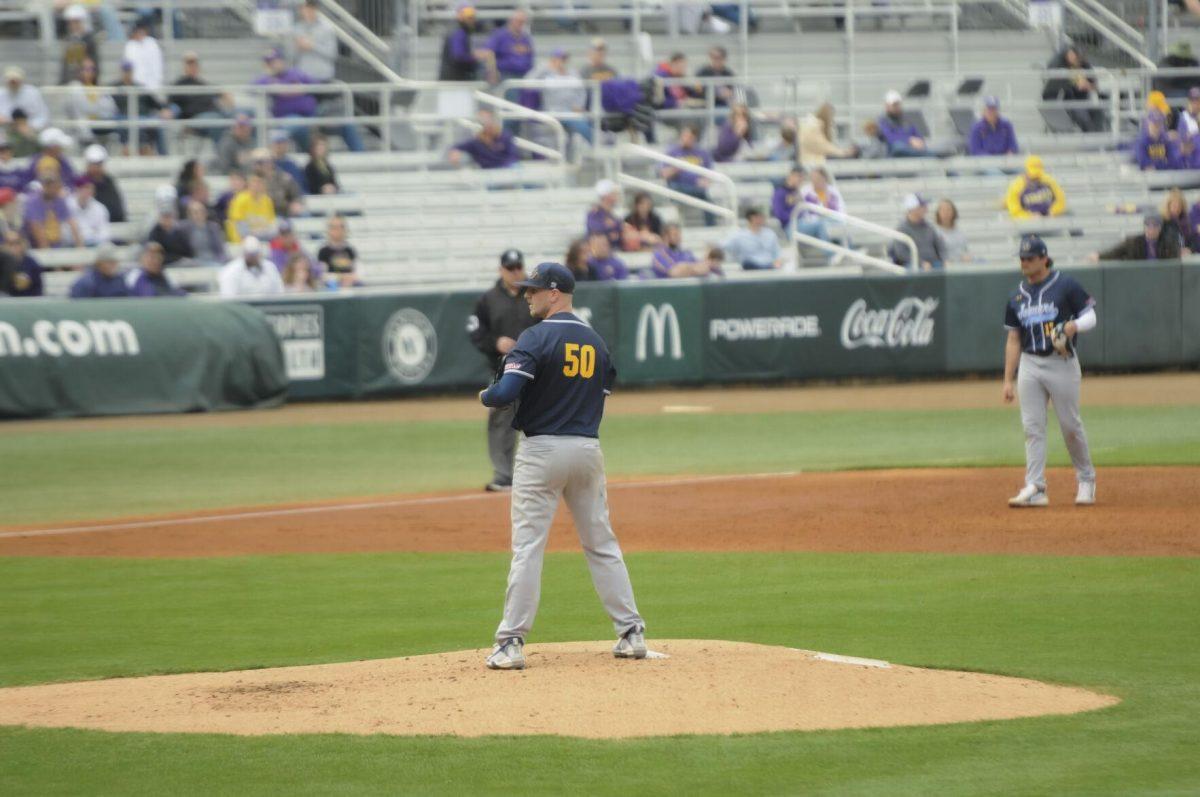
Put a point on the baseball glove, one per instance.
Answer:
(1060, 341)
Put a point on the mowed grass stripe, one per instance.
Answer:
(93, 474)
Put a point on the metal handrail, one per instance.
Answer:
(676, 196)
(1115, 20)
(853, 221)
(515, 109)
(330, 9)
(726, 182)
(1121, 44)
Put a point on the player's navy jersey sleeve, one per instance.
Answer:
(523, 360)
(1077, 299)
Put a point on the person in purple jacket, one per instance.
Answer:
(297, 103)
(512, 47)
(1154, 150)
(150, 278)
(602, 218)
(459, 61)
(992, 134)
(684, 181)
(787, 194)
(736, 136)
(902, 140)
(602, 264)
(491, 148)
(103, 280)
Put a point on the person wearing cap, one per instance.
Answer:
(603, 218)
(296, 103)
(149, 279)
(21, 136)
(92, 217)
(284, 245)
(1154, 150)
(17, 93)
(337, 256)
(249, 274)
(26, 279)
(459, 62)
(200, 106)
(204, 235)
(902, 138)
(251, 212)
(282, 189)
(281, 145)
(108, 193)
(931, 251)
(597, 67)
(512, 47)
(755, 246)
(235, 146)
(564, 94)
(491, 148)
(561, 371)
(1187, 131)
(501, 315)
(1152, 243)
(168, 233)
(12, 173)
(49, 222)
(144, 55)
(313, 46)
(602, 264)
(992, 134)
(1035, 193)
(78, 45)
(51, 157)
(671, 260)
(102, 280)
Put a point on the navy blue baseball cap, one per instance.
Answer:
(550, 275)
(1033, 246)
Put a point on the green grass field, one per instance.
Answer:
(1126, 626)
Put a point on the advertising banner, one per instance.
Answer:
(659, 333)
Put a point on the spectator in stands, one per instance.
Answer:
(132, 102)
(8, 274)
(512, 47)
(819, 191)
(319, 176)
(295, 103)
(603, 218)
(1035, 193)
(687, 182)
(565, 94)
(902, 138)
(338, 256)
(204, 236)
(12, 173)
(672, 260)
(78, 46)
(251, 212)
(21, 135)
(200, 107)
(314, 46)
(168, 233)
(91, 216)
(1176, 221)
(49, 222)
(19, 94)
(992, 134)
(145, 56)
(51, 156)
(150, 278)
(677, 95)
(602, 264)
(91, 107)
(190, 176)
(297, 276)
(237, 184)
(785, 147)
(736, 137)
(103, 280)
(597, 67)
(954, 241)
(235, 146)
(107, 192)
(1178, 57)
(281, 145)
(717, 67)
(787, 194)
(1188, 130)
(755, 246)
(26, 279)
(459, 61)
(1154, 150)
(285, 245)
(491, 148)
(816, 134)
(282, 189)
(645, 221)
(576, 259)
(250, 274)
(1157, 101)
(931, 252)
(11, 219)
(1077, 87)
(1151, 244)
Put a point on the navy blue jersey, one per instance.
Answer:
(1035, 309)
(569, 372)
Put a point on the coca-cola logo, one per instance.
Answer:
(909, 323)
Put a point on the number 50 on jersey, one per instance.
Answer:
(579, 360)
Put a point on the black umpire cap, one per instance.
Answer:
(511, 258)
(550, 275)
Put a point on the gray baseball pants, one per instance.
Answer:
(1054, 378)
(549, 466)
(502, 442)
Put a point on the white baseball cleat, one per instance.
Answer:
(1030, 495)
(631, 646)
(1086, 494)
(507, 655)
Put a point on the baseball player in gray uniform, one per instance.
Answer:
(560, 371)
(1042, 318)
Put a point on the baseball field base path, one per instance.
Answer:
(570, 689)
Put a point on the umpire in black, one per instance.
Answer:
(501, 315)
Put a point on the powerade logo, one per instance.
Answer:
(765, 328)
(908, 324)
(301, 333)
(69, 338)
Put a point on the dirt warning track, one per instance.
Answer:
(1140, 511)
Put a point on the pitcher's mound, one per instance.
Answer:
(571, 689)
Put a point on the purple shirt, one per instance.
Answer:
(514, 52)
(694, 155)
(13, 176)
(143, 283)
(290, 104)
(728, 144)
(895, 133)
(988, 140)
(1037, 197)
(499, 154)
(1159, 153)
(600, 220)
(52, 215)
(782, 203)
(666, 258)
(40, 162)
(607, 268)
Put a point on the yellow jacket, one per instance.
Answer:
(1027, 198)
(257, 214)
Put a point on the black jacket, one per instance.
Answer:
(498, 314)
(1134, 248)
(109, 195)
